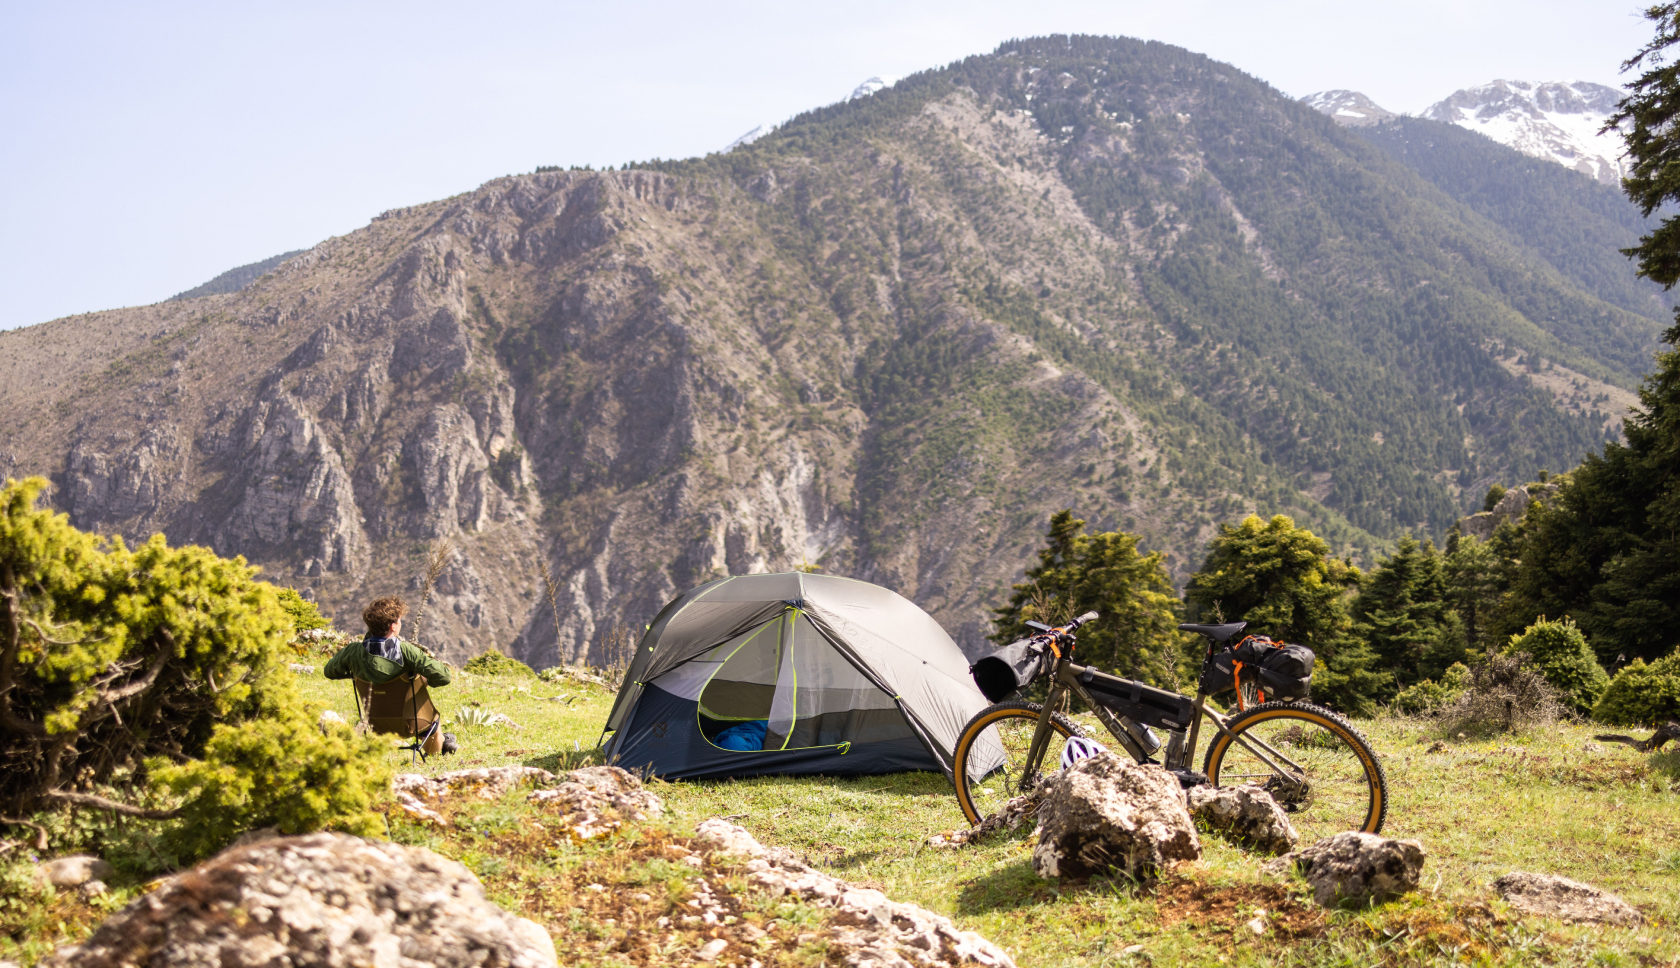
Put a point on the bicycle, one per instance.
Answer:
(1330, 779)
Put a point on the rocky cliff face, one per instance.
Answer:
(887, 341)
(1555, 120)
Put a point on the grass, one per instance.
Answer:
(1483, 807)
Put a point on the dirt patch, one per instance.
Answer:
(1287, 917)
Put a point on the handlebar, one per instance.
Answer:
(1051, 636)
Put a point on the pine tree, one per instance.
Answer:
(1078, 572)
(1280, 580)
(1475, 578)
(1403, 613)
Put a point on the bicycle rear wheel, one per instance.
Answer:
(1332, 782)
(991, 756)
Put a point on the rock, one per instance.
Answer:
(323, 899)
(1440, 746)
(870, 930)
(1107, 814)
(1559, 897)
(75, 870)
(1356, 866)
(486, 783)
(594, 801)
(1247, 814)
(711, 949)
(303, 669)
(329, 717)
(1015, 813)
(92, 888)
(1591, 747)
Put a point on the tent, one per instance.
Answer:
(787, 674)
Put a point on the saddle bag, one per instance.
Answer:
(1142, 704)
(1010, 668)
(1281, 670)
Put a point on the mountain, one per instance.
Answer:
(865, 89)
(886, 340)
(236, 279)
(1556, 120)
(1347, 107)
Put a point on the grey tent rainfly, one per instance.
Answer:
(792, 673)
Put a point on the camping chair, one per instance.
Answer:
(401, 707)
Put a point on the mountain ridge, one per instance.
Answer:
(887, 339)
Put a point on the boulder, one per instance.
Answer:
(1356, 866)
(1559, 897)
(319, 900)
(594, 801)
(870, 931)
(75, 870)
(1247, 814)
(416, 793)
(1108, 814)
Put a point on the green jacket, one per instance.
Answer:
(355, 661)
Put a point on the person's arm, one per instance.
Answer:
(338, 667)
(436, 673)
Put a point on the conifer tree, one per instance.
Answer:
(1106, 573)
(1281, 580)
(1402, 612)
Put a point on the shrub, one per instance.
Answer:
(1429, 696)
(281, 772)
(305, 616)
(1507, 693)
(494, 663)
(1642, 695)
(1561, 654)
(114, 659)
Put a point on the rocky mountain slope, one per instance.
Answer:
(1349, 108)
(886, 340)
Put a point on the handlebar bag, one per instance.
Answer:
(1142, 704)
(1008, 669)
(1283, 670)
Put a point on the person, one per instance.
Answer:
(382, 656)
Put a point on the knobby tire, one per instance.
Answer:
(1275, 721)
(1010, 717)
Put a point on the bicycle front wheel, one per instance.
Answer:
(991, 756)
(1327, 776)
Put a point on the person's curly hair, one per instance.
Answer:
(382, 613)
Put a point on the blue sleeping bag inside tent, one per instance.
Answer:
(746, 737)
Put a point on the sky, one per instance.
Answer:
(145, 148)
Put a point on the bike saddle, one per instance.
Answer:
(1218, 633)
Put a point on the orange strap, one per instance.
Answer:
(1236, 679)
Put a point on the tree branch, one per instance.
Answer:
(126, 809)
(40, 831)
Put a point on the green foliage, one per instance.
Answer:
(1104, 572)
(305, 615)
(1642, 694)
(1427, 695)
(113, 655)
(1403, 613)
(1653, 107)
(1561, 654)
(281, 771)
(1475, 574)
(160, 655)
(493, 663)
(1280, 579)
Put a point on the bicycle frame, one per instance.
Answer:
(1065, 681)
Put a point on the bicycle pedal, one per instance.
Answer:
(1190, 778)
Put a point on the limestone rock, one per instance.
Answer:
(488, 783)
(1559, 897)
(870, 929)
(1356, 866)
(75, 870)
(594, 801)
(1106, 813)
(1247, 814)
(320, 900)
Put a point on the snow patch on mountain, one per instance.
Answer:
(1347, 107)
(875, 84)
(1554, 119)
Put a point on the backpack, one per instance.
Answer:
(1280, 670)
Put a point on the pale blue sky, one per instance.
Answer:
(147, 147)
